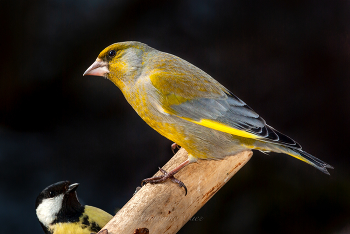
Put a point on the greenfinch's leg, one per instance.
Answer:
(174, 146)
(168, 175)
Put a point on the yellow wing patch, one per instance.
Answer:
(222, 127)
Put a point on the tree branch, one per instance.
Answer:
(164, 208)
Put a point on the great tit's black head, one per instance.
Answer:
(52, 191)
(58, 203)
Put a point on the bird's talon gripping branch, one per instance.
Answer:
(152, 180)
(163, 171)
(164, 177)
(174, 146)
(180, 183)
(173, 179)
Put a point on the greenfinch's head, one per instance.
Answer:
(120, 62)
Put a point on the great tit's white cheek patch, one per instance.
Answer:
(48, 209)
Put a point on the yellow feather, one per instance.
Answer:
(222, 127)
(96, 215)
(69, 228)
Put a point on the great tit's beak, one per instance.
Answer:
(98, 68)
(72, 188)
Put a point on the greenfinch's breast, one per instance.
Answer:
(146, 103)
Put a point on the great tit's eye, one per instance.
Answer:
(52, 194)
(112, 53)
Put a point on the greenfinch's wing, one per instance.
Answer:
(200, 99)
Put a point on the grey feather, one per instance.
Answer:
(232, 111)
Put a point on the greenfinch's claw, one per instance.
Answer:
(151, 180)
(174, 146)
(173, 179)
(164, 177)
(180, 183)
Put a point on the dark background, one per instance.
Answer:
(288, 60)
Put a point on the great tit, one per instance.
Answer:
(60, 212)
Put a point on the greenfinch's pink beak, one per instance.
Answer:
(98, 68)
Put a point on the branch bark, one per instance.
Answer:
(164, 208)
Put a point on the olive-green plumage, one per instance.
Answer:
(189, 107)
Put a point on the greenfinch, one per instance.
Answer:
(189, 107)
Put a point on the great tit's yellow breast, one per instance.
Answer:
(97, 215)
(92, 220)
(69, 228)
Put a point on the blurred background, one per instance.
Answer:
(288, 60)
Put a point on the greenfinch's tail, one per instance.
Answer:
(296, 153)
(308, 158)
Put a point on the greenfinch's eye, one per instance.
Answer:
(112, 53)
